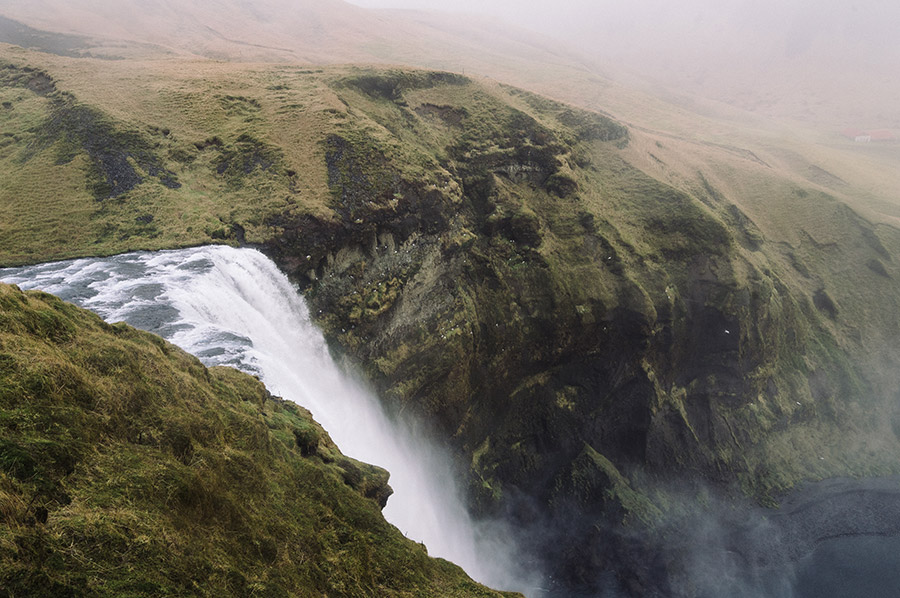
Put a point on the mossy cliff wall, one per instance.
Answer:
(580, 333)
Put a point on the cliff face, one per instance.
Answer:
(582, 334)
(127, 467)
(596, 344)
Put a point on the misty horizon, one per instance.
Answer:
(830, 64)
(750, 54)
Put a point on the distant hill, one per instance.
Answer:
(303, 31)
(784, 91)
(797, 59)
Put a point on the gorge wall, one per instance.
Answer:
(597, 346)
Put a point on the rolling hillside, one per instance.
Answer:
(797, 143)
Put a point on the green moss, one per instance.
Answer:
(636, 505)
(70, 128)
(239, 162)
(391, 84)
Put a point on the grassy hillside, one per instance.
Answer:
(116, 167)
(835, 81)
(128, 468)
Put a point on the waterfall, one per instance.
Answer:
(233, 307)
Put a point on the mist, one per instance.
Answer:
(832, 62)
(836, 538)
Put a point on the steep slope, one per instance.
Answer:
(126, 467)
(592, 340)
(598, 321)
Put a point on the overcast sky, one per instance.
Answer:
(840, 58)
(541, 15)
(874, 22)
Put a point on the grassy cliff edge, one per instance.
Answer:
(127, 468)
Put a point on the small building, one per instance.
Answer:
(866, 136)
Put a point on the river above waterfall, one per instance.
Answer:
(233, 307)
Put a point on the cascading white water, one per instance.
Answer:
(234, 307)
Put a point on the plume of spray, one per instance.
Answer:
(831, 539)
